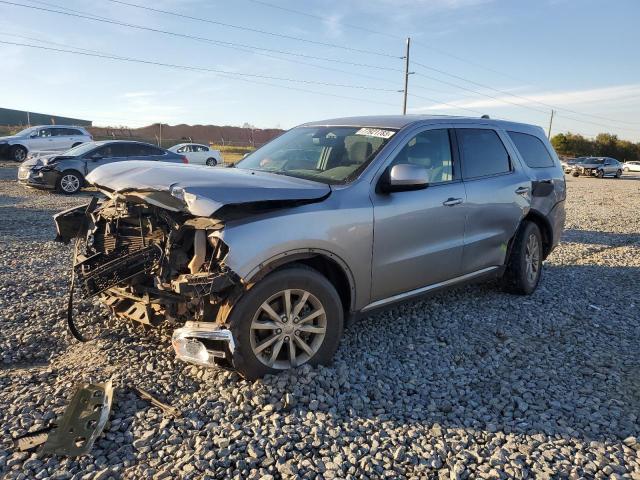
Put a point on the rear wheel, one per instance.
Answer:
(69, 182)
(212, 162)
(18, 153)
(292, 317)
(618, 173)
(524, 266)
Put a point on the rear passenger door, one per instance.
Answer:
(497, 192)
(110, 153)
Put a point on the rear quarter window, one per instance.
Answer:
(532, 150)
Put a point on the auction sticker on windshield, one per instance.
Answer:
(376, 132)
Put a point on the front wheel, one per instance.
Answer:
(69, 182)
(18, 153)
(524, 266)
(291, 317)
(212, 162)
(600, 174)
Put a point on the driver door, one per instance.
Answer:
(419, 235)
(113, 152)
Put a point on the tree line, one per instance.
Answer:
(604, 145)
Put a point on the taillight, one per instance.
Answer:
(185, 159)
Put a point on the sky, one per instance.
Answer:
(279, 63)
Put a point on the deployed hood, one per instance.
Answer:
(204, 190)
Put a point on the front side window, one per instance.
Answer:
(532, 150)
(483, 153)
(333, 155)
(201, 148)
(430, 149)
(44, 132)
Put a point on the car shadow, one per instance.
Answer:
(594, 237)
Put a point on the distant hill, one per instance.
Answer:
(172, 134)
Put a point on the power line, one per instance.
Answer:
(223, 73)
(255, 30)
(442, 52)
(234, 46)
(445, 103)
(204, 69)
(521, 97)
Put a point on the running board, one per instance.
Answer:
(422, 290)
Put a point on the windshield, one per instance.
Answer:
(333, 155)
(25, 132)
(80, 149)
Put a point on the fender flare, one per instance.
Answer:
(290, 256)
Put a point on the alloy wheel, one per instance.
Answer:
(70, 183)
(532, 258)
(288, 329)
(20, 154)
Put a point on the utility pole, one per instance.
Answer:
(550, 124)
(160, 142)
(406, 76)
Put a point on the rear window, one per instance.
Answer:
(483, 153)
(532, 150)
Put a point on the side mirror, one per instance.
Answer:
(95, 157)
(405, 177)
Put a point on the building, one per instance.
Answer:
(20, 117)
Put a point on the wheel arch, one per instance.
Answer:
(331, 266)
(546, 230)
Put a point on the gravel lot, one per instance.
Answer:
(473, 383)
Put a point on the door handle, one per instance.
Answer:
(522, 190)
(450, 202)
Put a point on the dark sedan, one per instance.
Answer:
(66, 172)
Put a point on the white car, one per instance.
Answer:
(198, 154)
(56, 138)
(631, 166)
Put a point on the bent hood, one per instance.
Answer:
(204, 190)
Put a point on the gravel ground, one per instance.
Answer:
(473, 383)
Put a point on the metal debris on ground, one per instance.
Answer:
(82, 421)
(166, 408)
(33, 439)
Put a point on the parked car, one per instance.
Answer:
(66, 172)
(198, 154)
(264, 261)
(632, 166)
(568, 164)
(45, 137)
(598, 167)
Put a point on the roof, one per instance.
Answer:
(401, 121)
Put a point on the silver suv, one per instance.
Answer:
(262, 263)
(49, 138)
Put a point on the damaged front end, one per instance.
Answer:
(149, 263)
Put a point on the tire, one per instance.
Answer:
(524, 266)
(600, 174)
(18, 153)
(618, 173)
(248, 312)
(575, 174)
(69, 182)
(212, 162)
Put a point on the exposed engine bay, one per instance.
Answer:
(148, 264)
